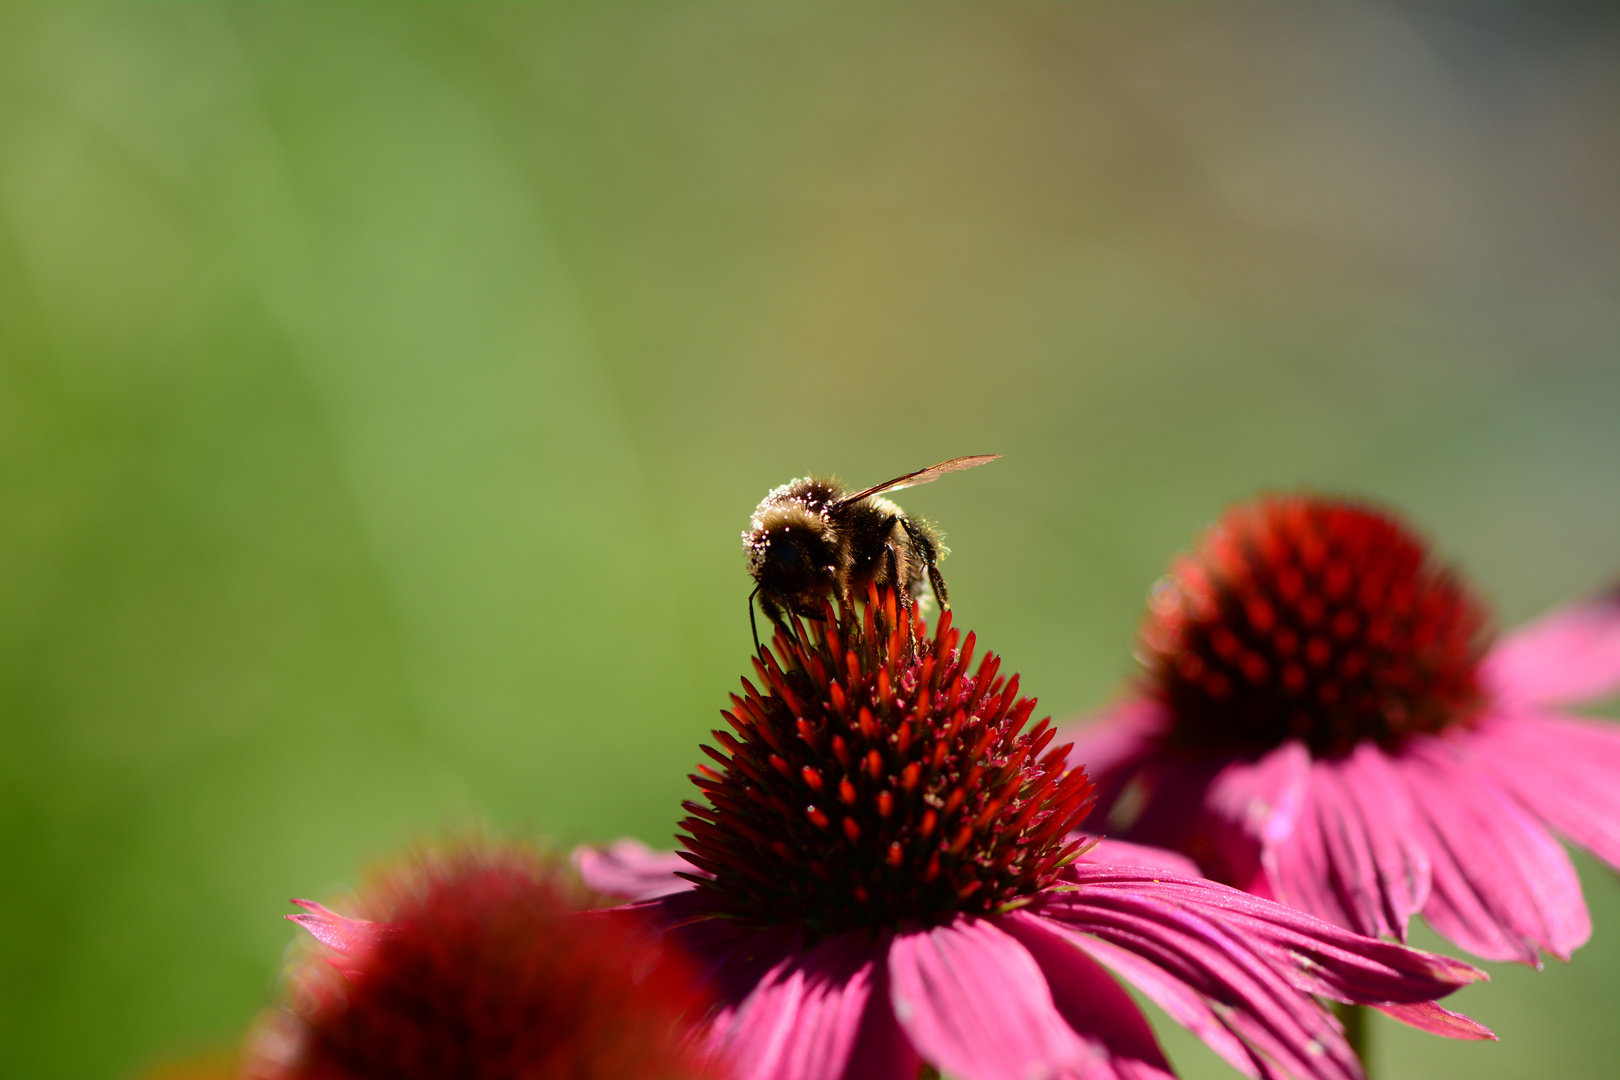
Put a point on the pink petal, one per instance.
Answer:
(1568, 656)
(1121, 755)
(349, 967)
(1299, 869)
(774, 965)
(1458, 913)
(1351, 857)
(1220, 809)
(1565, 771)
(1502, 886)
(1427, 1016)
(1256, 960)
(630, 870)
(1184, 1004)
(1228, 811)
(882, 1051)
(1161, 803)
(1111, 852)
(976, 1005)
(802, 1019)
(1248, 987)
(1265, 797)
(1126, 732)
(1326, 959)
(1088, 997)
(336, 931)
(1379, 797)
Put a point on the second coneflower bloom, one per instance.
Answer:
(474, 963)
(1323, 719)
(882, 874)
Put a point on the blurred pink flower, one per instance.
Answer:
(474, 964)
(1324, 721)
(883, 875)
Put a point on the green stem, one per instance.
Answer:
(1357, 1032)
(926, 1071)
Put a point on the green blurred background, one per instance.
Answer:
(383, 390)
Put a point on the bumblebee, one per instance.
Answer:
(810, 539)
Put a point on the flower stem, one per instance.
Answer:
(1357, 1032)
(926, 1071)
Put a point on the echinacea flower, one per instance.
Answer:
(1324, 720)
(883, 876)
(474, 964)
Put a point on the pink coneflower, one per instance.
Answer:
(883, 877)
(1323, 720)
(475, 965)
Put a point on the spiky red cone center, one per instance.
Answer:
(1320, 619)
(477, 966)
(875, 778)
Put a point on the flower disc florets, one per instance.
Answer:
(476, 965)
(876, 779)
(1321, 619)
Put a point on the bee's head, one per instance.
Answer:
(792, 547)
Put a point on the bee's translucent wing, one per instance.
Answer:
(922, 476)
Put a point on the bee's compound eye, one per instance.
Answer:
(787, 553)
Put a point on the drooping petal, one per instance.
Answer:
(1299, 868)
(1502, 886)
(1110, 852)
(1457, 912)
(1322, 958)
(336, 931)
(803, 1017)
(1149, 796)
(1568, 656)
(1264, 797)
(1565, 771)
(630, 870)
(1244, 983)
(1352, 857)
(1375, 791)
(1254, 959)
(1248, 809)
(1222, 811)
(1090, 1000)
(1427, 1016)
(1184, 1005)
(977, 1006)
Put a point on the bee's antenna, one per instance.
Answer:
(752, 625)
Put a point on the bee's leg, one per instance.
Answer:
(938, 583)
(752, 625)
(773, 612)
(899, 587)
(924, 546)
(900, 581)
